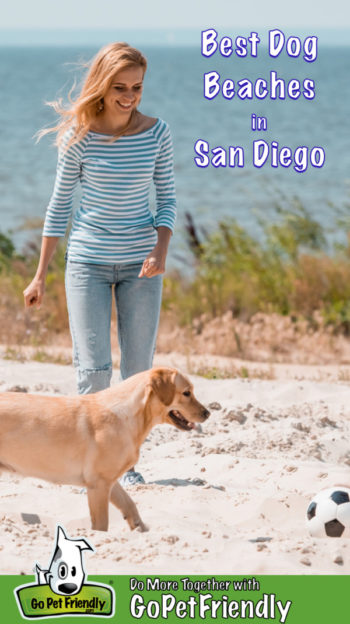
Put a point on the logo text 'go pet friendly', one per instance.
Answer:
(60, 590)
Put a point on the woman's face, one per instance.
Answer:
(125, 92)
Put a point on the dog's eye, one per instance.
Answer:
(62, 570)
(74, 571)
(187, 393)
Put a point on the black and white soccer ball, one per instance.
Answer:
(329, 513)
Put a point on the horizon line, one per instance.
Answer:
(155, 36)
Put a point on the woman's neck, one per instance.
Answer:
(113, 125)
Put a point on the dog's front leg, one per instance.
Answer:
(122, 500)
(98, 497)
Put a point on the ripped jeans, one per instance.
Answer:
(89, 301)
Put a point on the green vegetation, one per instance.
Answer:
(291, 269)
(32, 327)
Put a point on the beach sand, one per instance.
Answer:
(228, 498)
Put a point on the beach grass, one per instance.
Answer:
(291, 269)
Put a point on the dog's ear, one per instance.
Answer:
(162, 383)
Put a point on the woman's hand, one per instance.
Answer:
(34, 293)
(154, 264)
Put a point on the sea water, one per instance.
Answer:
(173, 90)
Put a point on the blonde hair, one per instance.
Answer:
(86, 107)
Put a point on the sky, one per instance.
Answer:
(178, 22)
(177, 14)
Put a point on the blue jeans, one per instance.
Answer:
(89, 301)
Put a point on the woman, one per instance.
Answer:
(115, 151)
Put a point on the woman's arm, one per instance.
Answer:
(164, 182)
(57, 214)
(166, 206)
(67, 175)
(34, 293)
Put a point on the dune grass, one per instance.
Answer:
(291, 268)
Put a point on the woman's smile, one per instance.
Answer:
(124, 93)
(126, 106)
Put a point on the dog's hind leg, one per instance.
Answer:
(98, 498)
(122, 500)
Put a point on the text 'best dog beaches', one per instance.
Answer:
(274, 87)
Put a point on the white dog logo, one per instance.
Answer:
(66, 572)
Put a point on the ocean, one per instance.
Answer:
(174, 91)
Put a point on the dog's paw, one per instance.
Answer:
(137, 525)
(142, 528)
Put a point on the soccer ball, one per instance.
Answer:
(329, 513)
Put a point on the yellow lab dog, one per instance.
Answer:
(91, 440)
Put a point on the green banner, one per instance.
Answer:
(220, 599)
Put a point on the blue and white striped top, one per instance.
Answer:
(114, 223)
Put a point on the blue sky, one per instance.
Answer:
(178, 14)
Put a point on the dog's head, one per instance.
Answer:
(66, 572)
(178, 405)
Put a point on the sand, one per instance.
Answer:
(228, 498)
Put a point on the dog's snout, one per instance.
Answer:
(67, 588)
(205, 413)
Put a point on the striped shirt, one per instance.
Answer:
(113, 223)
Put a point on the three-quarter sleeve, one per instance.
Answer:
(164, 182)
(67, 175)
